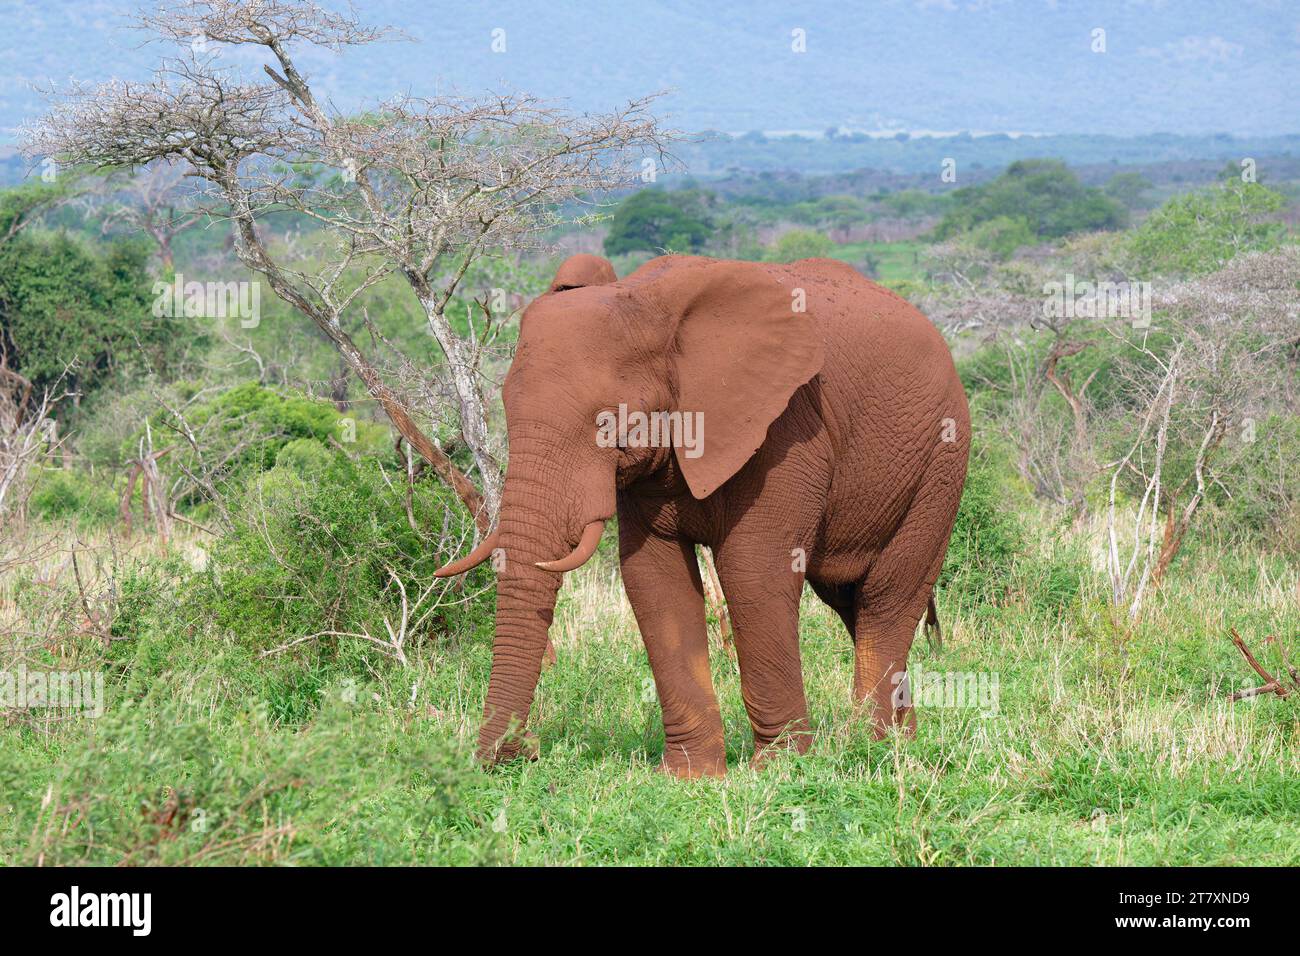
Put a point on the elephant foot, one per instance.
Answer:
(692, 764)
(795, 743)
(902, 720)
(525, 746)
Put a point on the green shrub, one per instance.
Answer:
(1263, 473)
(986, 537)
(304, 456)
(244, 430)
(67, 494)
(66, 300)
(799, 244)
(1198, 232)
(1045, 193)
(318, 551)
(320, 542)
(656, 219)
(1056, 582)
(992, 373)
(1002, 236)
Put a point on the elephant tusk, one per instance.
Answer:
(471, 560)
(579, 555)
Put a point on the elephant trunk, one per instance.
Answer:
(531, 532)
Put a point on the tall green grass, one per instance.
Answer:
(1108, 746)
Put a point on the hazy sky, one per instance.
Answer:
(1000, 65)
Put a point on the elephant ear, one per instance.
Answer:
(742, 350)
(582, 270)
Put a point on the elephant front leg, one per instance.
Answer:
(764, 605)
(662, 580)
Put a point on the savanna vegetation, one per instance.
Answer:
(234, 519)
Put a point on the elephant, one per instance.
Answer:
(832, 447)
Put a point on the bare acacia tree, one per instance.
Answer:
(1130, 564)
(152, 200)
(970, 294)
(1032, 426)
(1004, 304)
(1071, 458)
(1201, 400)
(1239, 327)
(418, 188)
(28, 434)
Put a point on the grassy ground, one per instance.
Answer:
(1105, 748)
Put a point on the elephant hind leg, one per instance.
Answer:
(840, 598)
(880, 668)
(889, 606)
(896, 593)
(932, 626)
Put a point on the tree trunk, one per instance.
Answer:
(250, 249)
(339, 387)
(443, 466)
(716, 602)
(470, 406)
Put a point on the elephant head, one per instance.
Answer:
(682, 334)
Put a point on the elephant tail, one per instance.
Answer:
(932, 628)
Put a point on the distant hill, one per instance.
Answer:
(910, 159)
(791, 168)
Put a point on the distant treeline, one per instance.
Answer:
(718, 155)
(903, 161)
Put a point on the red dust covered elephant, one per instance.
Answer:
(801, 421)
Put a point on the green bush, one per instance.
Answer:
(657, 219)
(986, 537)
(244, 430)
(799, 244)
(1198, 232)
(912, 203)
(991, 377)
(1263, 472)
(1002, 236)
(1055, 583)
(67, 494)
(1129, 189)
(107, 425)
(317, 542)
(64, 300)
(1045, 193)
(304, 456)
(319, 550)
